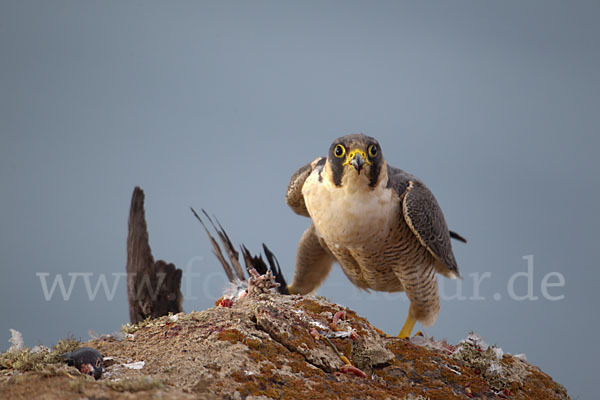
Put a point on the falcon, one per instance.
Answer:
(382, 225)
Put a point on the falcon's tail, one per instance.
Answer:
(456, 236)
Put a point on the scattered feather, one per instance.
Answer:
(318, 325)
(16, 340)
(342, 334)
(426, 341)
(234, 289)
(135, 365)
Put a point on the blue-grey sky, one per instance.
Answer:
(493, 104)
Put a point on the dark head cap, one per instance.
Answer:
(353, 154)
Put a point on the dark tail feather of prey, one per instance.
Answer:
(216, 249)
(251, 261)
(276, 270)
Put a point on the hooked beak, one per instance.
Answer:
(357, 162)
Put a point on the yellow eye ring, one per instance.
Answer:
(372, 151)
(339, 151)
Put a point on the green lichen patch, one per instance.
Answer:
(37, 360)
(148, 322)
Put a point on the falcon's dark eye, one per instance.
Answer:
(339, 151)
(372, 151)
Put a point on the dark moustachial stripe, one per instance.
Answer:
(337, 167)
(375, 169)
(337, 170)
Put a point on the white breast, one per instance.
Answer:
(350, 215)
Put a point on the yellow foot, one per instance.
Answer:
(292, 290)
(409, 324)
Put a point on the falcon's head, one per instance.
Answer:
(355, 160)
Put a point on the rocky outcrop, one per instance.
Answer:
(267, 345)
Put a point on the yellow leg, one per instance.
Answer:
(409, 324)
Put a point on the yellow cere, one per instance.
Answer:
(351, 155)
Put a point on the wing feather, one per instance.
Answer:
(294, 197)
(424, 216)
